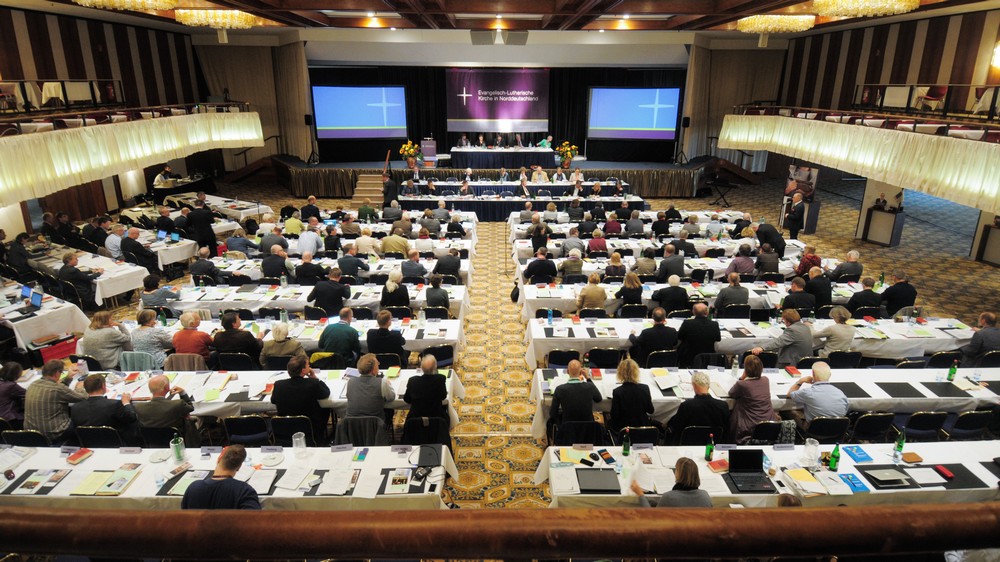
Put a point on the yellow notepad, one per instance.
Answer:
(92, 483)
(211, 394)
(392, 372)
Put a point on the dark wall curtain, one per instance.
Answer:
(569, 100)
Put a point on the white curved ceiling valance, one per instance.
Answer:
(960, 170)
(38, 164)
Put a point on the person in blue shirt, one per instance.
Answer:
(820, 398)
(222, 490)
(238, 242)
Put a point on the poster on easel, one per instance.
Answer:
(801, 179)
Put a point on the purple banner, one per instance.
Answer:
(497, 100)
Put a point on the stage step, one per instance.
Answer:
(369, 186)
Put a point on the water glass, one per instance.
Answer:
(811, 458)
(299, 444)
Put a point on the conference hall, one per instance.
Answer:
(466, 279)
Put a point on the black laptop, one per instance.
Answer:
(34, 306)
(746, 472)
(598, 481)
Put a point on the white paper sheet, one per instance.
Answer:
(293, 477)
(663, 478)
(262, 480)
(336, 482)
(368, 483)
(924, 476)
(563, 480)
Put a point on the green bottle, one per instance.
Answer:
(897, 451)
(710, 448)
(835, 458)
(163, 318)
(881, 279)
(952, 370)
(626, 444)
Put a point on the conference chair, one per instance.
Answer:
(844, 359)
(574, 278)
(968, 426)
(206, 280)
(327, 360)
(698, 435)
(185, 362)
(269, 281)
(771, 277)
(715, 252)
(662, 359)
(277, 362)
(425, 255)
(316, 313)
(871, 427)
(593, 313)
(284, 427)
(99, 437)
(807, 362)
(644, 434)
(245, 314)
(543, 194)
(158, 437)
(248, 430)
(445, 354)
(613, 280)
(804, 312)
(362, 313)
(683, 313)
(386, 360)
(823, 312)
(25, 438)
(448, 279)
(827, 429)
(378, 278)
(137, 361)
(271, 312)
(236, 362)
(944, 359)
(569, 433)
(990, 360)
(862, 311)
(361, 431)
(702, 275)
(597, 254)
(437, 312)
(849, 278)
(164, 310)
(399, 312)
(735, 311)
(348, 280)
(414, 280)
(92, 364)
(540, 279)
(911, 364)
(766, 432)
(560, 358)
(768, 358)
(633, 311)
(426, 431)
(603, 358)
(544, 313)
(394, 256)
(921, 426)
(704, 360)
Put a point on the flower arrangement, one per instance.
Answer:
(410, 150)
(567, 152)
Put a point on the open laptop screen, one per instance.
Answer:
(25, 291)
(176, 236)
(160, 235)
(746, 460)
(36, 299)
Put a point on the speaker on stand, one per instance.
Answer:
(314, 155)
(679, 156)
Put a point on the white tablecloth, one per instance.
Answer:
(119, 277)
(166, 254)
(55, 317)
(664, 407)
(221, 226)
(888, 340)
(142, 494)
(235, 209)
(971, 457)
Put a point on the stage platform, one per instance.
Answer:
(337, 179)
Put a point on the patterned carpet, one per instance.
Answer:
(495, 453)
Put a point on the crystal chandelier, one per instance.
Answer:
(864, 8)
(220, 20)
(775, 24)
(216, 19)
(135, 5)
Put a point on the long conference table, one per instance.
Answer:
(468, 157)
(232, 208)
(55, 317)
(975, 476)
(251, 267)
(490, 188)
(221, 227)
(882, 339)
(496, 209)
(280, 477)
(118, 277)
(885, 390)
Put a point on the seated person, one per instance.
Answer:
(700, 410)
(370, 393)
(299, 395)
(233, 339)
(394, 293)
(658, 337)
(190, 340)
(574, 401)
(386, 340)
(436, 296)
(99, 410)
(280, 344)
(341, 338)
(631, 404)
(540, 266)
(427, 394)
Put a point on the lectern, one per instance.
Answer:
(883, 227)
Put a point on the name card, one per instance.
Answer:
(638, 446)
(66, 450)
(784, 446)
(209, 450)
(271, 449)
(401, 449)
(725, 447)
(341, 448)
(129, 450)
(583, 446)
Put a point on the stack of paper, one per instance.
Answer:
(120, 480)
(190, 477)
(804, 482)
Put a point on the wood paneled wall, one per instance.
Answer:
(823, 69)
(155, 67)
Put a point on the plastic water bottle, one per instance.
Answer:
(550, 317)
(736, 368)
(284, 280)
(283, 315)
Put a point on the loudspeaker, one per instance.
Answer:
(514, 37)
(309, 120)
(483, 37)
(686, 122)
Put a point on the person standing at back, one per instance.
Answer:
(222, 490)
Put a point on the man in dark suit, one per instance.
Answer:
(697, 335)
(659, 337)
(682, 247)
(390, 191)
(299, 395)
(386, 340)
(449, 264)
(99, 410)
(740, 224)
(161, 411)
(798, 297)
(200, 223)
(865, 297)
(848, 267)
(541, 266)
(427, 394)
(205, 266)
(598, 213)
(350, 264)
(309, 273)
(233, 339)
(671, 264)
(309, 210)
(392, 212)
(795, 217)
(767, 234)
(84, 282)
(661, 226)
(330, 294)
(164, 222)
(50, 228)
(820, 287)
(985, 340)
(574, 400)
(673, 297)
(587, 226)
(274, 265)
(700, 410)
(144, 257)
(100, 234)
(899, 295)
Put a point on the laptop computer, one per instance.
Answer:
(746, 472)
(25, 292)
(598, 481)
(35, 306)
(175, 237)
(161, 235)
